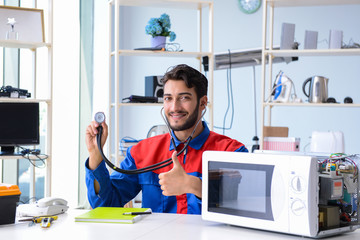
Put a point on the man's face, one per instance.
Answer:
(180, 105)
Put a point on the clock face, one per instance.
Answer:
(249, 6)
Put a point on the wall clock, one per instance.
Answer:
(249, 6)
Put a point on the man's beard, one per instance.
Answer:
(190, 122)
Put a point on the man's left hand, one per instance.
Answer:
(173, 182)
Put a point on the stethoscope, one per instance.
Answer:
(100, 118)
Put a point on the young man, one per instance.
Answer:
(175, 188)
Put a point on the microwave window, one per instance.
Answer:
(244, 190)
(240, 189)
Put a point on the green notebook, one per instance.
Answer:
(111, 215)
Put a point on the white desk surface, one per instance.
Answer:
(159, 226)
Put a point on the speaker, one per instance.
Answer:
(311, 38)
(287, 36)
(335, 39)
(154, 86)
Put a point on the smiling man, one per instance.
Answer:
(175, 188)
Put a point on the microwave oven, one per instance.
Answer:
(293, 194)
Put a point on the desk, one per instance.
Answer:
(159, 226)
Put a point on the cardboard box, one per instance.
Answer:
(282, 143)
(275, 131)
(9, 197)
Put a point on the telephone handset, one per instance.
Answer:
(51, 201)
(47, 206)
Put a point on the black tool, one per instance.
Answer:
(141, 99)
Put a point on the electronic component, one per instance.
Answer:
(154, 86)
(141, 99)
(19, 126)
(12, 92)
(329, 217)
(331, 188)
(339, 191)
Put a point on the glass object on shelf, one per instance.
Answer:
(12, 34)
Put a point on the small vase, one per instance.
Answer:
(11, 35)
(158, 42)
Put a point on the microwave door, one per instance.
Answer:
(241, 189)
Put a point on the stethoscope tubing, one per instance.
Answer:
(152, 167)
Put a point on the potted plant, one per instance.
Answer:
(159, 29)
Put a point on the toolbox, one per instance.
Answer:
(9, 197)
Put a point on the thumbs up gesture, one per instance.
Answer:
(177, 181)
(172, 182)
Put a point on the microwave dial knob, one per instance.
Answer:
(298, 184)
(298, 207)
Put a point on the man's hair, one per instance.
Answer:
(191, 77)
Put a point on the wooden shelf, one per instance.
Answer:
(183, 4)
(138, 104)
(299, 3)
(20, 44)
(144, 53)
(344, 105)
(209, 105)
(31, 157)
(5, 99)
(314, 52)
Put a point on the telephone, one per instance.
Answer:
(47, 206)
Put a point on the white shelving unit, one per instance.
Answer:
(21, 44)
(199, 5)
(33, 46)
(269, 53)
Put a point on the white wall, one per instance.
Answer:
(343, 73)
(246, 33)
(65, 100)
(236, 30)
(101, 56)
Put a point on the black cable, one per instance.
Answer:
(31, 161)
(28, 201)
(150, 168)
(26, 154)
(230, 97)
(256, 144)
